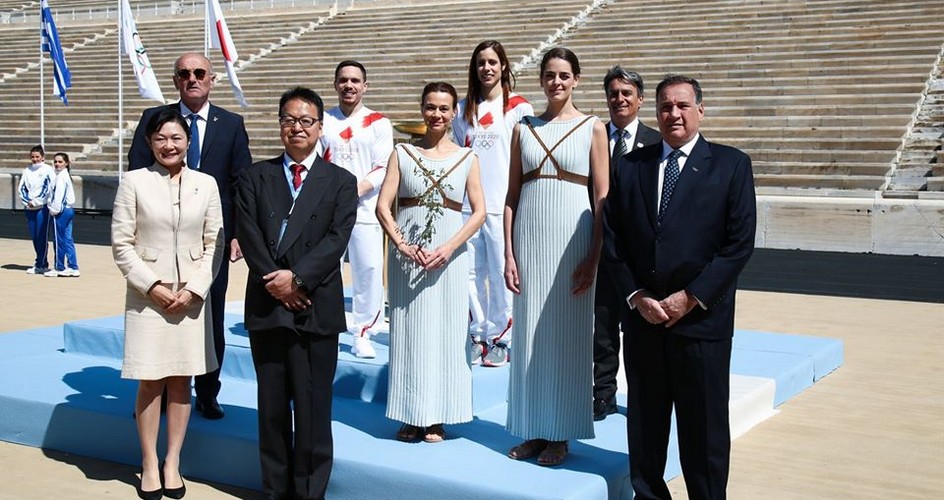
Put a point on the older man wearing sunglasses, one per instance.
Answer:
(219, 147)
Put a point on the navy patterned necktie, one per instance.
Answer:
(669, 180)
(193, 152)
(619, 146)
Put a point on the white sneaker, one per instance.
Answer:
(362, 348)
(497, 355)
(70, 273)
(37, 270)
(52, 273)
(479, 350)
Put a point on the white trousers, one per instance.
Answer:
(365, 253)
(489, 299)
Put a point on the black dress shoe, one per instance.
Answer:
(603, 407)
(210, 409)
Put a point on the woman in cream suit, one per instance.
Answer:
(166, 232)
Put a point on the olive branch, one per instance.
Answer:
(430, 200)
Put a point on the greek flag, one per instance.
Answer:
(62, 79)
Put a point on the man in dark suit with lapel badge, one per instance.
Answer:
(295, 216)
(220, 148)
(624, 96)
(680, 222)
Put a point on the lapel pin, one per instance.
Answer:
(215, 118)
(638, 144)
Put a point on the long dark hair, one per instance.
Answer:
(474, 94)
(65, 158)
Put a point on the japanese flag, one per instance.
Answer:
(219, 37)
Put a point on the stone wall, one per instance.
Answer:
(859, 225)
(93, 190)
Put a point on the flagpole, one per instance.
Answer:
(42, 91)
(121, 95)
(206, 29)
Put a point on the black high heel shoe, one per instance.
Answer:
(149, 495)
(175, 493)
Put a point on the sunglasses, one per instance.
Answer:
(199, 74)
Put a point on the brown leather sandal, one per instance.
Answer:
(435, 434)
(528, 449)
(553, 454)
(408, 433)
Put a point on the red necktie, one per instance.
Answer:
(297, 174)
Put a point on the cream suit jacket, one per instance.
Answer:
(151, 246)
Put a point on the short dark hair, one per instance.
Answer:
(561, 53)
(38, 149)
(302, 94)
(618, 73)
(440, 87)
(163, 116)
(677, 79)
(350, 62)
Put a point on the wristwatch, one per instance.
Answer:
(298, 281)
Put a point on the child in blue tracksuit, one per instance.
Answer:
(60, 207)
(35, 190)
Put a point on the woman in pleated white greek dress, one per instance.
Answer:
(553, 236)
(430, 375)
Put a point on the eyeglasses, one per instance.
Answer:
(305, 121)
(199, 74)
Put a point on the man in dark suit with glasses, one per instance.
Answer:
(296, 214)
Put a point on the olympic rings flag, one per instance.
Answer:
(132, 46)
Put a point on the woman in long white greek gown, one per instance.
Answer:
(553, 237)
(430, 376)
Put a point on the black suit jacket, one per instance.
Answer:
(705, 239)
(314, 240)
(225, 152)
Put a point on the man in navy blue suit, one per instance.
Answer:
(220, 148)
(680, 222)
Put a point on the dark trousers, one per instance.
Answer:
(606, 336)
(294, 370)
(207, 386)
(665, 370)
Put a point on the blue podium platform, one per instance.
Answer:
(60, 388)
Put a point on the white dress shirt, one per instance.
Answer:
(629, 137)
